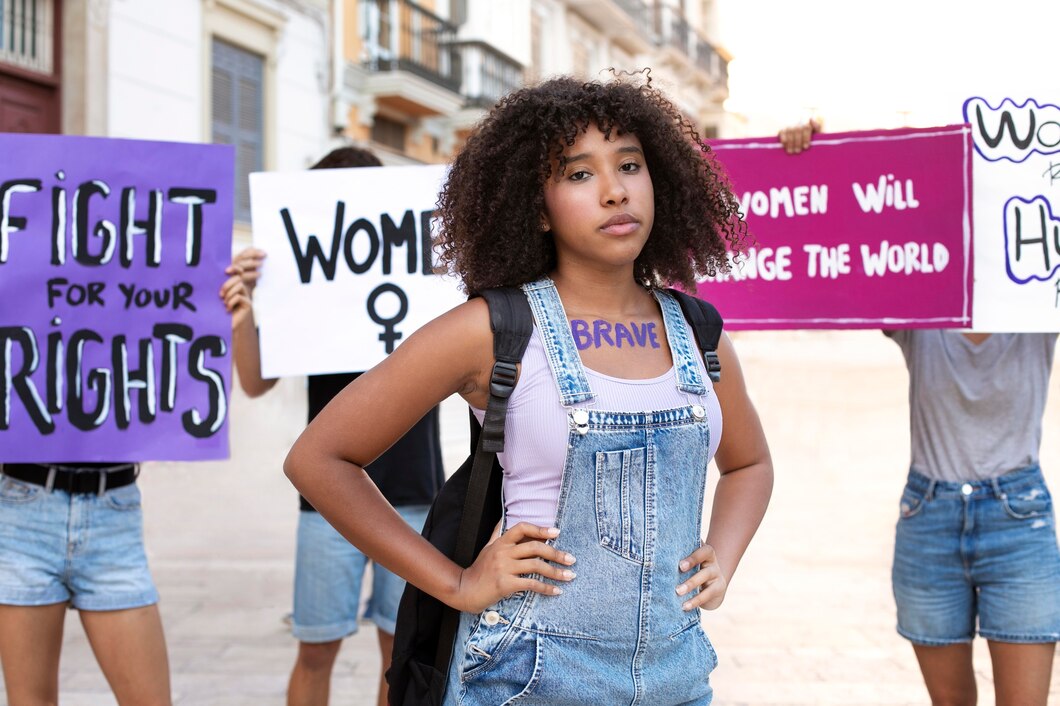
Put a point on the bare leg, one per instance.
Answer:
(386, 650)
(131, 650)
(30, 640)
(310, 683)
(1021, 672)
(948, 674)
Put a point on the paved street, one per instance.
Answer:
(808, 619)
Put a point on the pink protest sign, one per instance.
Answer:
(863, 230)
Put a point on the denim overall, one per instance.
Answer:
(630, 509)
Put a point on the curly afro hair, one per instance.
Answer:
(491, 204)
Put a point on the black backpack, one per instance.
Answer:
(468, 507)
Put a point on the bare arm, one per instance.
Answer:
(452, 354)
(743, 490)
(746, 467)
(236, 293)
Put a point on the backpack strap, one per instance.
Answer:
(512, 324)
(706, 325)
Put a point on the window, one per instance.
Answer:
(237, 114)
(389, 133)
(26, 34)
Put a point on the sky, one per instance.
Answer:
(863, 64)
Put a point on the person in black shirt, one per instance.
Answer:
(328, 569)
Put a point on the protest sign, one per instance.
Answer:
(863, 230)
(350, 266)
(114, 343)
(1017, 214)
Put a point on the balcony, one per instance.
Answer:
(410, 57)
(627, 23)
(412, 61)
(488, 73)
(711, 62)
(673, 32)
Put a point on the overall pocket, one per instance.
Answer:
(620, 500)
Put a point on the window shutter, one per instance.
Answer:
(238, 107)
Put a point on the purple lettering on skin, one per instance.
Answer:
(582, 338)
(651, 335)
(641, 332)
(602, 332)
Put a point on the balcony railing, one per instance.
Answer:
(26, 30)
(709, 60)
(401, 35)
(488, 73)
(674, 30)
(638, 10)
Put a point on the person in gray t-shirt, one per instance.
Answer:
(976, 538)
(975, 545)
(960, 389)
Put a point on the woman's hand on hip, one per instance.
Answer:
(709, 579)
(504, 566)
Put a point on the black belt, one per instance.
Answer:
(71, 480)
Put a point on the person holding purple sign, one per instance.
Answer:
(107, 358)
(71, 536)
(975, 545)
(329, 571)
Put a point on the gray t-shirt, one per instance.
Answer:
(975, 411)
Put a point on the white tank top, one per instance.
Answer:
(536, 427)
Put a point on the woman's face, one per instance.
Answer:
(599, 200)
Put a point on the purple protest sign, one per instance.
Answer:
(114, 344)
(863, 230)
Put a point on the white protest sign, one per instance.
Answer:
(1017, 214)
(349, 272)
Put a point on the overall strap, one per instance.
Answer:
(689, 377)
(706, 324)
(560, 349)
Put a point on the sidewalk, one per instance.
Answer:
(809, 619)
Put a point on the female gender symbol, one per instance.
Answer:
(389, 334)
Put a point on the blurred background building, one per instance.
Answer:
(285, 80)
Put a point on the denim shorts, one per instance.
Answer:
(981, 550)
(327, 581)
(86, 549)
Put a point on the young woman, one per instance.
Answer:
(590, 196)
(975, 546)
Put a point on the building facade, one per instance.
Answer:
(253, 73)
(418, 75)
